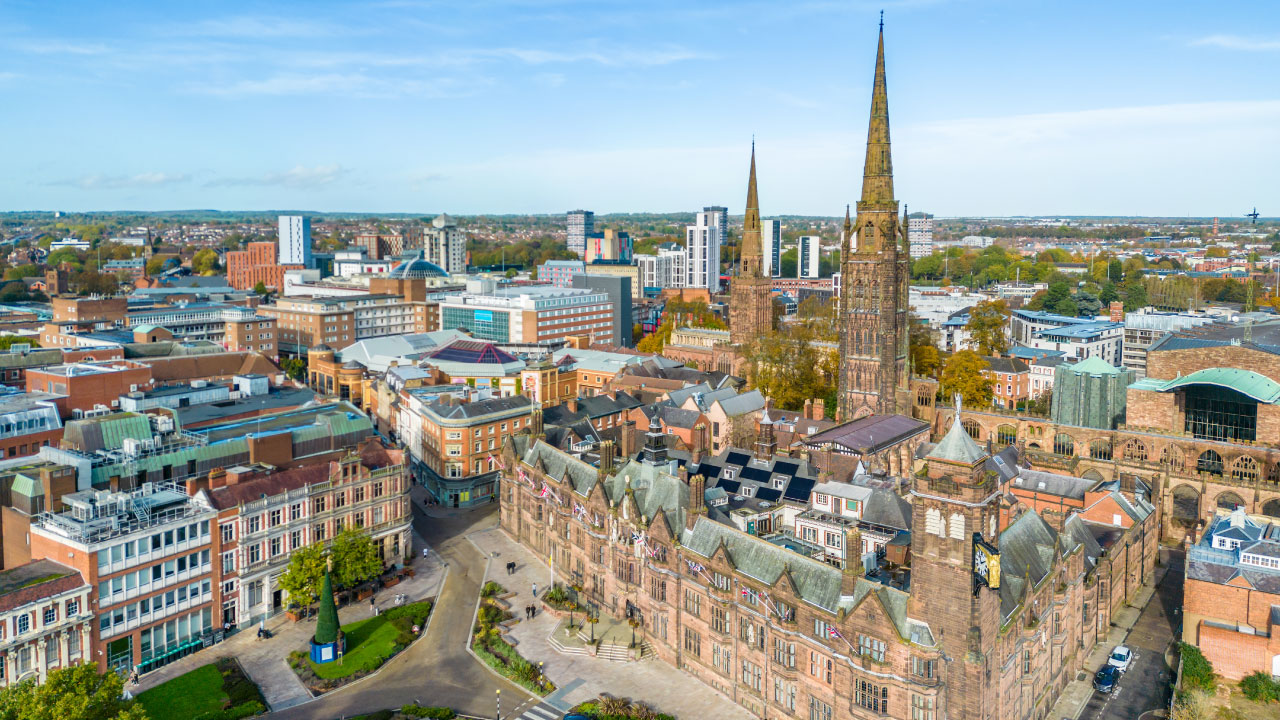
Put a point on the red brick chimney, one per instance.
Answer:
(819, 409)
(1117, 311)
(808, 409)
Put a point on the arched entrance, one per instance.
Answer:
(1186, 505)
(1272, 508)
(1230, 501)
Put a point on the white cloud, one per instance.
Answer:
(298, 177)
(1238, 42)
(612, 57)
(119, 182)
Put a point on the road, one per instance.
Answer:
(436, 670)
(1145, 686)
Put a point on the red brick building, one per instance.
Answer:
(90, 386)
(255, 264)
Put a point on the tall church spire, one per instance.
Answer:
(877, 173)
(751, 245)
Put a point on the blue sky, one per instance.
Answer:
(504, 106)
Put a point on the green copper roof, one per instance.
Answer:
(24, 485)
(1095, 366)
(1259, 387)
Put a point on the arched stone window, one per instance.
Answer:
(1006, 435)
(1173, 457)
(1064, 444)
(1209, 462)
(1273, 474)
(924, 397)
(933, 523)
(971, 427)
(1135, 450)
(1100, 449)
(1244, 469)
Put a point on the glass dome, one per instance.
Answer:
(418, 267)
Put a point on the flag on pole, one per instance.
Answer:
(834, 632)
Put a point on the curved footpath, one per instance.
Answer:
(437, 669)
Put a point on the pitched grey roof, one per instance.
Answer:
(445, 409)
(1026, 555)
(887, 509)
(735, 405)
(1054, 484)
(957, 446)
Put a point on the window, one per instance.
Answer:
(818, 710)
(339, 499)
(255, 524)
(50, 615)
(784, 653)
(821, 629)
(722, 659)
(295, 511)
(692, 642)
(784, 693)
(277, 546)
(317, 531)
(719, 620)
(921, 667)
(228, 563)
(721, 581)
(692, 602)
(317, 504)
(1026, 662)
(751, 675)
(73, 608)
(22, 624)
(922, 707)
(871, 647)
(871, 696)
(277, 517)
(228, 532)
(255, 553)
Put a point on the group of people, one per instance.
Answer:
(530, 611)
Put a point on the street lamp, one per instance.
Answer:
(497, 696)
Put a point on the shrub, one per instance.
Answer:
(1197, 671)
(416, 613)
(1259, 687)
(380, 715)
(431, 713)
(490, 589)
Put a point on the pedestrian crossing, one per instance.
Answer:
(541, 711)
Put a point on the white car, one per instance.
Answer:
(1120, 658)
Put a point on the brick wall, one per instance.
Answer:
(1203, 600)
(1235, 654)
(1169, 364)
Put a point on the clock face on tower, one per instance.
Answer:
(986, 563)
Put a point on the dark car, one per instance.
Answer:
(576, 716)
(1105, 680)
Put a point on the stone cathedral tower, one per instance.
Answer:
(751, 299)
(874, 267)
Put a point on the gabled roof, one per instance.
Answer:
(957, 446)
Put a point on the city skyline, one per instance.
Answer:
(377, 107)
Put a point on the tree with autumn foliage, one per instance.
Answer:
(965, 373)
(987, 322)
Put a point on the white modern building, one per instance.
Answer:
(702, 250)
(445, 245)
(664, 270)
(580, 224)
(530, 314)
(771, 246)
(295, 241)
(356, 262)
(920, 234)
(810, 250)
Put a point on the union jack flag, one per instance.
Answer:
(637, 538)
(694, 566)
(834, 632)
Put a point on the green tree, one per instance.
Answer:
(1065, 306)
(302, 579)
(925, 359)
(260, 288)
(1058, 291)
(965, 373)
(987, 321)
(13, 292)
(1109, 294)
(787, 263)
(204, 262)
(1135, 295)
(22, 271)
(92, 282)
(295, 368)
(1216, 252)
(355, 557)
(78, 691)
(327, 618)
(1087, 304)
(8, 341)
(1115, 270)
(155, 266)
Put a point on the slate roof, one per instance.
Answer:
(887, 509)
(445, 409)
(1006, 364)
(1064, 486)
(735, 405)
(1027, 549)
(36, 581)
(870, 434)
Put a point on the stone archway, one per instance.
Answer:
(1186, 505)
(1092, 474)
(1272, 508)
(1230, 501)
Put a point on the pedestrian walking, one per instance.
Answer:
(535, 589)
(424, 553)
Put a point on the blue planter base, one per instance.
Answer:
(322, 653)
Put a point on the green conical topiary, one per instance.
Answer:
(327, 621)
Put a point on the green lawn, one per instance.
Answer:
(369, 643)
(185, 696)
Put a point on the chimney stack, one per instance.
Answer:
(627, 444)
(606, 459)
(699, 441)
(819, 409)
(808, 409)
(1117, 311)
(852, 570)
(697, 499)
